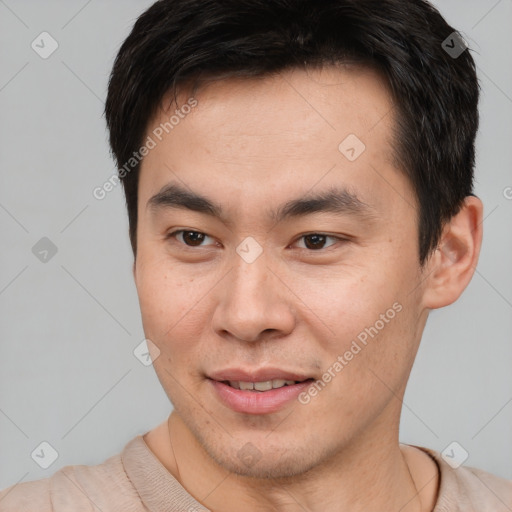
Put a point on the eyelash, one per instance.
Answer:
(339, 239)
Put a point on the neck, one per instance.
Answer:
(368, 475)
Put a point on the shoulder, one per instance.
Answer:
(468, 489)
(79, 488)
(22, 496)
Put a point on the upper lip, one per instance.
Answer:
(260, 375)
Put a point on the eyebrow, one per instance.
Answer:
(339, 201)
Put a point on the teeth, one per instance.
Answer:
(278, 383)
(261, 386)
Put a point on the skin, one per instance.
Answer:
(250, 146)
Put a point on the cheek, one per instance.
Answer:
(170, 305)
(158, 301)
(346, 301)
(171, 317)
(364, 317)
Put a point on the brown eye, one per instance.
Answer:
(318, 241)
(315, 241)
(189, 238)
(193, 238)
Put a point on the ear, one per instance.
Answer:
(452, 265)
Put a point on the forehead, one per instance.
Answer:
(283, 134)
(321, 97)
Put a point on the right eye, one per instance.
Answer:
(188, 237)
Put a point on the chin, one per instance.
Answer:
(282, 468)
(253, 460)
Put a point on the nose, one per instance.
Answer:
(254, 303)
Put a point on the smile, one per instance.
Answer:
(258, 397)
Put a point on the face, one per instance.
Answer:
(273, 248)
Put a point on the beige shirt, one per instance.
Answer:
(136, 481)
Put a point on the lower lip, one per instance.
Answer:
(258, 402)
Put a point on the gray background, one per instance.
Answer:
(69, 326)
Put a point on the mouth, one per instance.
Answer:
(261, 392)
(262, 386)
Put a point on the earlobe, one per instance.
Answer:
(453, 263)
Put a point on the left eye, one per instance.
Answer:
(316, 241)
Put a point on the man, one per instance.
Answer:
(298, 177)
